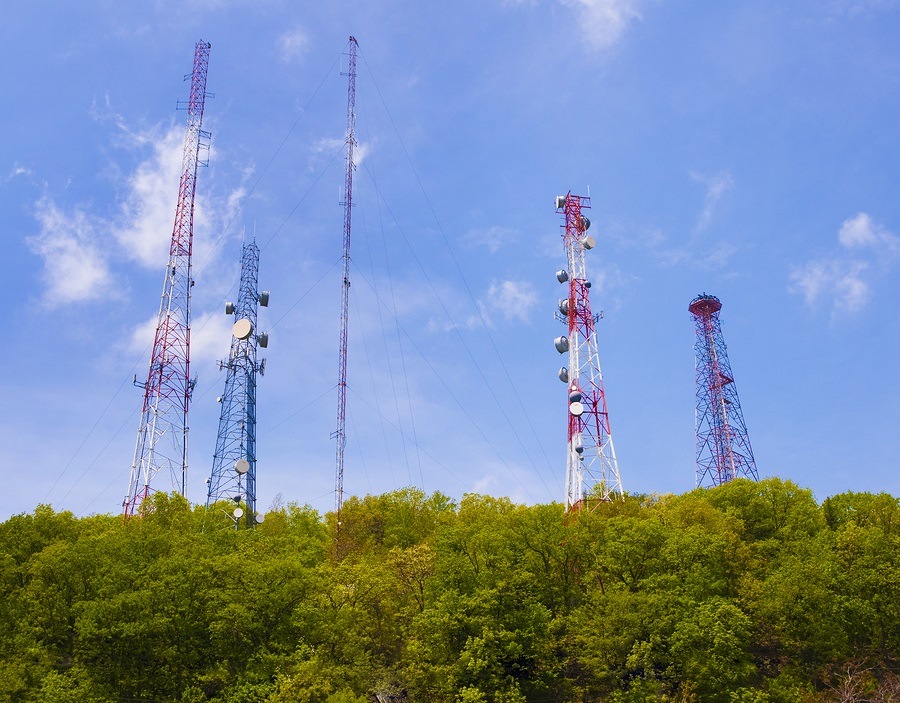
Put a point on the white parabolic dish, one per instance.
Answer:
(242, 328)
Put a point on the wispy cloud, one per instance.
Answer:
(17, 171)
(492, 238)
(512, 299)
(716, 186)
(78, 268)
(331, 147)
(845, 279)
(74, 268)
(293, 44)
(841, 280)
(861, 232)
(148, 209)
(604, 21)
(210, 337)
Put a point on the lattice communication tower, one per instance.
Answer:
(162, 440)
(340, 434)
(592, 472)
(233, 474)
(723, 446)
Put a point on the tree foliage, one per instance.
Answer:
(749, 592)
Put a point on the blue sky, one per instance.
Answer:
(743, 149)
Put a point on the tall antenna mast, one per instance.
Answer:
(233, 474)
(162, 439)
(723, 446)
(592, 472)
(340, 433)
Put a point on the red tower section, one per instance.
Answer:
(162, 441)
(723, 447)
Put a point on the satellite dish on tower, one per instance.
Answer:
(242, 466)
(238, 513)
(242, 328)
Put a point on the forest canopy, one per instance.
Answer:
(746, 593)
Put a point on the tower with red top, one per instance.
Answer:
(592, 472)
(723, 447)
(162, 440)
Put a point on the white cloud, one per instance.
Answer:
(860, 232)
(842, 281)
(74, 267)
(148, 211)
(512, 299)
(16, 171)
(494, 238)
(604, 21)
(210, 337)
(293, 44)
(716, 186)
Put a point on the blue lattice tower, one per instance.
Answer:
(723, 446)
(233, 474)
(592, 471)
(162, 440)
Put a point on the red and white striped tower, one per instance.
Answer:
(162, 440)
(592, 472)
(340, 433)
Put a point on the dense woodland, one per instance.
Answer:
(746, 593)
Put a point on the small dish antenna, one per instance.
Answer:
(576, 409)
(242, 466)
(242, 328)
(238, 513)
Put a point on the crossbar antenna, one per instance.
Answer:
(162, 438)
(340, 433)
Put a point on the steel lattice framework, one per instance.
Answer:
(233, 474)
(162, 439)
(340, 433)
(723, 446)
(592, 472)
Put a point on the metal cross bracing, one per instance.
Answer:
(592, 471)
(162, 439)
(233, 474)
(723, 446)
(340, 433)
